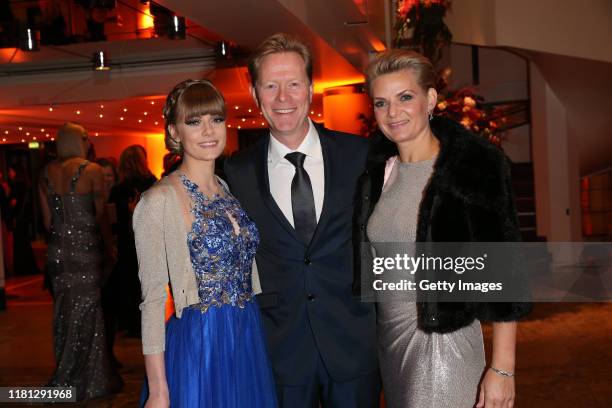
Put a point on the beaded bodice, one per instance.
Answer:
(222, 244)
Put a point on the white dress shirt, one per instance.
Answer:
(281, 171)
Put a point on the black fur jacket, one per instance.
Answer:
(468, 199)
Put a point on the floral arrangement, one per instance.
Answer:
(465, 106)
(420, 26)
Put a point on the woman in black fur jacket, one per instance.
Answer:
(430, 180)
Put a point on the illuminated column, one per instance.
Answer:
(342, 107)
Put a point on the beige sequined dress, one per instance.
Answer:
(74, 264)
(419, 370)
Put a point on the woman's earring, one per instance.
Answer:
(430, 115)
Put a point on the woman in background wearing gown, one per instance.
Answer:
(73, 207)
(134, 178)
(192, 233)
(429, 180)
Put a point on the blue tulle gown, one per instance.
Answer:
(215, 353)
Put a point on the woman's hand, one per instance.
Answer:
(496, 391)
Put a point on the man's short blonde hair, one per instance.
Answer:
(277, 44)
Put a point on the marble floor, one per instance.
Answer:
(564, 351)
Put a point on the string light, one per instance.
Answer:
(101, 116)
(236, 107)
(78, 112)
(250, 110)
(152, 102)
(239, 127)
(145, 113)
(52, 139)
(20, 128)
(6, 132)
(139, 120)
(4, 139)
(96, 133)
(243, 119)
(50, 108)
(156, 123)
(121, 118)
(46, 135)
(229, 126)
(22, 140)
(27, 133)
(125, 109)
(42, 130)
(34, 138)
(101, 106)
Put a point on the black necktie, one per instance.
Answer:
(302, 199)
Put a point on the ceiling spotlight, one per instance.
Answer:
(30, 40)
(223, 49)
(176, 30)
(101, 61)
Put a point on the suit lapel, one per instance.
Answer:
(263, 181)
(328, 150)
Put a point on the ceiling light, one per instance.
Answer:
(101, 61)
(223, 49)
(176, 30)
(29, 40)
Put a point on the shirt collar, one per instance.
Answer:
(310, 146)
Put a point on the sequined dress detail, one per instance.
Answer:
(215, 353)
(74, 264)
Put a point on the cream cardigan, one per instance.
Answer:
(163, 256)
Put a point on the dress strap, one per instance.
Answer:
(77, 175)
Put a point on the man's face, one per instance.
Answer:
(284, 93)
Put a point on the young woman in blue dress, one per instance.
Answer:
(192, 234)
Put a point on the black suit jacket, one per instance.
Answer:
(307, 304)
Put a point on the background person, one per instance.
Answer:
(73, 207)
(134, 178)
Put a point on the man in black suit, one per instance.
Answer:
(298, 186)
